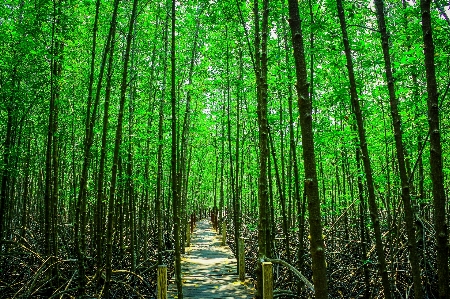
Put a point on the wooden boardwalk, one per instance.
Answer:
(208, 269)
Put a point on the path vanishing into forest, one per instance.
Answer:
(209, 269)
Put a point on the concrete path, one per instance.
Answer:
(209, 269)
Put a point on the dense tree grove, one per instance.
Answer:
(317, 130)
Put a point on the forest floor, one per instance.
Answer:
(209, 269)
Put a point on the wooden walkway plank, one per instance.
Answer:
(209, 269)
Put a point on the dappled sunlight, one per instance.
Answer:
(209, 269)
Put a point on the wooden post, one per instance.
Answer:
(162, 282)
(267, 280)
(188, 235)
(224, 233)
(241, 259)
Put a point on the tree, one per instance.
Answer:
(159, 179)
(80, 221)
(436, 163)
(219, 119)
(396, 122)
(311, 185)
(261, 90)
(175, 195)
(52, 154)
(117, 143)
(365, 155)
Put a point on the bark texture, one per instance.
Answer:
(437, 175)
(365, 156)
(398, 135)
(311, 186)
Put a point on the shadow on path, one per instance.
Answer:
(209, 269)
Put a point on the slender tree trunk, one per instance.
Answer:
(26, 188)
(421, 178)
(222, 166)
(233, 179)
(216, 175)
(175, 203)
(365, 157)
(80, 222)
(129, 184)
(145, 211)
(57, 68)
(5, 174)
(293, 154)
(436, 164)
(271, 215)
(185, 138)
(388, 199)
(237, 199)
(101, 169)
(119, 215)
(261, 79)
(344, 191)
(48, 166)
(51, 173)
(282, 199)
(362, 228)
(398, 135)
(230, 155)
(117, 143)
(311, 185)
(283, 170)
(159, 178)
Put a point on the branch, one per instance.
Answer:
(364, 27)
(246, 34)
(292, 268)
(426, 138)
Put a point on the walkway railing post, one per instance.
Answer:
(241, 259)
(162, 282)
(224, 233)
(267, 280)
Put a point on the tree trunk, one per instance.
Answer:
(236, 197)
(365, 157)
(222, 166)
(271, 215)
(293, 154)
(436, 164)
(159, 179)
(175, 203)
(101, 170)
(80, 221)
(5, 174)
(57, 68)
(26, 188)
(182, 187)
(51, 171)
(398, 135)
(282, 199)
(261, 79)
(117, 143)
(130, 192)
(311, 185)
(230, 154)
(362, 227)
